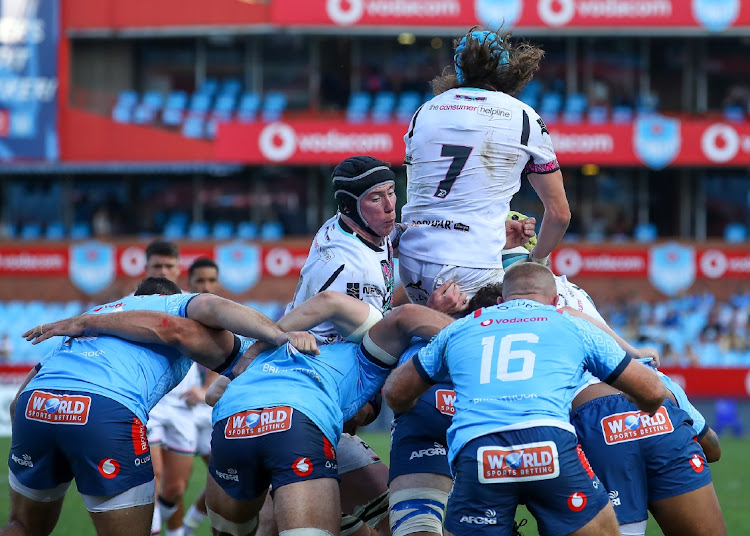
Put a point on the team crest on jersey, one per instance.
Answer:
(519, 463)
(444, 401)
(352, 289)
(634, 425)
(671, 267)
(240, 265)
(256, 423)
(58, 409)
(716, 15)
(496, 13)
(657, 140)
(92, 266)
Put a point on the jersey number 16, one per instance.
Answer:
(505, 355)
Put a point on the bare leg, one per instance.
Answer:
(230, 509)
(267, 522)
(308, 504)
(696, 513)
(604, 524)
(31, 518)
(359, 487)
(175, 475)
(134, 521)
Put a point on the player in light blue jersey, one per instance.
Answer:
(515, 368)
(82, 413)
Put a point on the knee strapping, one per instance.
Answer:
(417, 510)
(371, 514)
(307, 531)
(231, 527)
(377, 352)
(373, 317)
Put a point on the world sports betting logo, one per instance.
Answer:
(254, 423)
(518, 463)
(445, 400)
(58, 409)
(633, 425)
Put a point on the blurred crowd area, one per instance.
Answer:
(694, 330)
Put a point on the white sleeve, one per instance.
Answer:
(542, 157)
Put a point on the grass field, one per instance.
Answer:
(731, 478)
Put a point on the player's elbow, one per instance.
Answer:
(173, 331)
(558, 214)
(711, 446)
(652, 396)
(397, 399)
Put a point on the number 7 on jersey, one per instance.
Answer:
(460, 155)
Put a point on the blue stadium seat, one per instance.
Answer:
(230, 86)
(622, 114)
(735, 233)
(271, 230)
(274, 105)
(550, 103)
(247, 230)
(200, 103)
(31, 231)
(80, 230)
(248, 107)
(645, 232)
(55, 231)
(598, 115)
(174, 108)
(198, 230)
(358, 107)
(224, 107)
(734, 114)
(209, 87)
(382, 106)
(408, 103)
(174, 231)
(123, 109)
(193, 126)
(7, 230)
(149, 107)
(223, 230)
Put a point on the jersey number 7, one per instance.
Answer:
(460, 155)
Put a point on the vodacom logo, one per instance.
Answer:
(720, 143)
(713, 263)
(568, 262)
(278, 142)
(556, 12)
(345, 12)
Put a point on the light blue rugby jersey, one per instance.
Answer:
(516, 365)
(699, 421)
(135, 375)
(328, 388)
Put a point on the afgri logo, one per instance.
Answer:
(496, 13)
(716, 15)
(519, 463)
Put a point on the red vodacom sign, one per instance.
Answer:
(308, 142)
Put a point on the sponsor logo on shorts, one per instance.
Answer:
(231, 474)
(585, 462)
(518, 463)
(302, 467)
(256, 423)
(138, 433)
(142, 461)
(437, 450)
(614, 497)
(577, 501)
(634, 425)
(328, 449)
(58, 409)
(109, 468)
(697, 463)
(24, 460)
(489, 518)
(445, 400)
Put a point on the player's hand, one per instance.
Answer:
(653, 353)
(520, 232)
(70, 327)
(194, 396)
(364, 416)
(250, 354)
(448, 298)
(216, 389)
(304, 341)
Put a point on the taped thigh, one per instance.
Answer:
(221, 524)
(417, 510)
(307, 531)
(39, 495)
(136, 496)
(370, 514)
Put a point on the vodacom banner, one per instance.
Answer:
(711, 15)
(654, 141)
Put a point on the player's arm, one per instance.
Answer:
(711, 445)
(549, 187)
(207, 346)
(14, 402)
(642, 384)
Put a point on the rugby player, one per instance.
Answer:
(518, 428)
(82, 413)
(467, 150)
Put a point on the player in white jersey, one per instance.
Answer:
(467, 150)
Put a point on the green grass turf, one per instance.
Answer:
(731, 478)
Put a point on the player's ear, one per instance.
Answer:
(499, 300)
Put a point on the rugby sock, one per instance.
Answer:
(175, 532)
(156, 522)
(166, 508)
(192, 519)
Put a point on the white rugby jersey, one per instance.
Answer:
(466, 150)
(341, 260)
(574, 296)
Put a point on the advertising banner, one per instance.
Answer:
(29, 34)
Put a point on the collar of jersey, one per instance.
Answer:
(521, 302)
(348, 230)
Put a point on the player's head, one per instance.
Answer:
(163, 260)
(364, 188)
(489, 60)
(203, 276)
(157, 285)
(529, 280)
(487, 296)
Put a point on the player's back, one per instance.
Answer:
(136, 375)
(465, 152)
